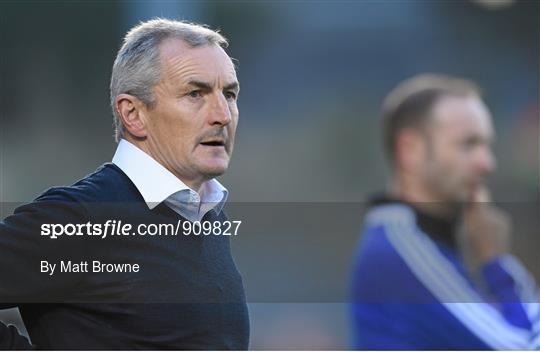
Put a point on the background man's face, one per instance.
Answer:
(459, 148)
(192, 126)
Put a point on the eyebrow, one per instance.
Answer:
(232, 86)
(208, 86)
(480, 139)
(200, 84)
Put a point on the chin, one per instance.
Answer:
(214, 169)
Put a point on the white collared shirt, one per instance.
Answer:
(157, 184)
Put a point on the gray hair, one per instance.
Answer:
(137, 70)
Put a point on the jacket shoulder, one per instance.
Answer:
(107, 184)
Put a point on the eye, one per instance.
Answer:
(468, 145)
(195, 93)
(472, 143)
(230, 95)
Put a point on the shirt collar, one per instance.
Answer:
(156, 184)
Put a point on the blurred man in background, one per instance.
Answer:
(174, 98)
(433, 269)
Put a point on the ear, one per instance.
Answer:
(410, 149)
(132, 112)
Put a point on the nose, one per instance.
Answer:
(220, 113)
(485, 162)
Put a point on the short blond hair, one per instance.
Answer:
(410, 103)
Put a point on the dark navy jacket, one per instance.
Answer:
(188, 293)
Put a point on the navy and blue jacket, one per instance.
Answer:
(411, 289)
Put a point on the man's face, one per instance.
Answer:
(191, 128)
(459, 154)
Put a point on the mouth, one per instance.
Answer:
(214, 143)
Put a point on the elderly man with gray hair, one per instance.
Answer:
(174, 96)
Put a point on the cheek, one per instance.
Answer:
(177, 125)
(233, 107)
(453, 158)
(445, 167)
(232, 126)
(464, 161)
(454, 169)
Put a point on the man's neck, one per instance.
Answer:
(424, 200)
(194, 184)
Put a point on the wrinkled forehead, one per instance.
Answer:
(458, 116)
(208, 62)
